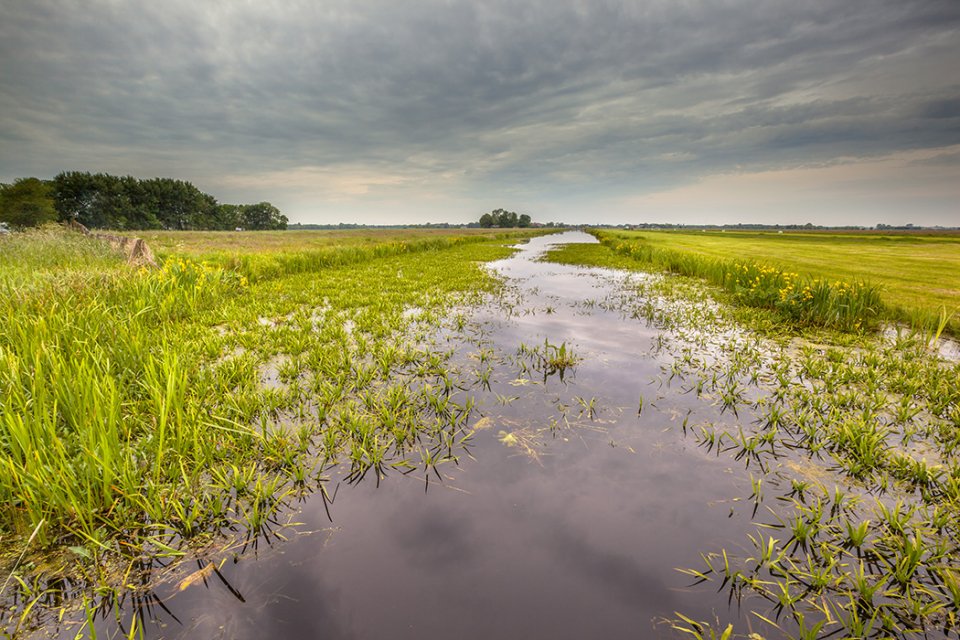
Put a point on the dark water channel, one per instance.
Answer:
(568, 519)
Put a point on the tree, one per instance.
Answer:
(263, 215)
(112, 205)
(74, 194)
(180, 205)
(27, 202)
(503, 219)
(228, 217)
(105, 201)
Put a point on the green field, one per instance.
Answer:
(158, 414)
(204, 243)
(918, 275)
(145, 405)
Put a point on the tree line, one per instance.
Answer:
(100, 200)
(502, 218)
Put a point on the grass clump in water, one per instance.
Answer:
(852, 453)
(134, 418)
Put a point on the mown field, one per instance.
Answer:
(917, 276)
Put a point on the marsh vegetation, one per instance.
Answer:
(243, 444)
(910, 278)
(850, 442)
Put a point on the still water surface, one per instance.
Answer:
(567, 520)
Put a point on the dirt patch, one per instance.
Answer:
(136, 251)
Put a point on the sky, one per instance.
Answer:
(592, 111)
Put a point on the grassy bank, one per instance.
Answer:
(849, 282)
(205, 243)
(145, 408)
(853, 455)
(268, 254)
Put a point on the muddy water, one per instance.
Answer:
(567, 519)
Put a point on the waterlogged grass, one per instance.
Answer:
(919, 275)
(145, 410)
(856, 489)
(853, 456)
(589, 255)
(147, 413)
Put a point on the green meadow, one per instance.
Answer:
(148, 413)
(206, 243)
(916, 276)
(851, 439)
(144, 407)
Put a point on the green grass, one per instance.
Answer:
(777, 300)
(853, 455)
(268, 254)
(589, 255)
(143, 412)
(143, 407)
(205, 243)
(918, 275)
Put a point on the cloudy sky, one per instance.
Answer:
(779, 111)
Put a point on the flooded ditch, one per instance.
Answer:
(594, 465)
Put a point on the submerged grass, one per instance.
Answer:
(852, 445)
(136, 414)
(145, 412)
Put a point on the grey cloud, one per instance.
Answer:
(943, 108)
(529, 98)
(939, 160)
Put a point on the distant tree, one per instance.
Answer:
(105, 201)
(263, 216)
(100, 200)
(504, 219)
(113, 207)
(140, 204)
(75, 196)
(228, 216)
(27, 202)
(177, 204)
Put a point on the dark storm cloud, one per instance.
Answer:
(534, 97)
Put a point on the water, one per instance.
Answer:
(568, 518)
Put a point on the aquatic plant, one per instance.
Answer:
(141, 409)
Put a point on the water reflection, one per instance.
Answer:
(567, 520)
